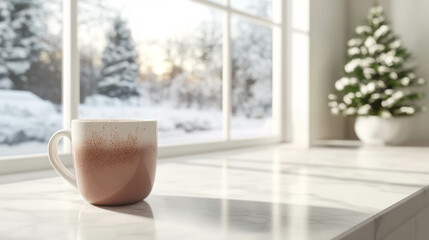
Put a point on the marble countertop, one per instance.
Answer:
(275, 192)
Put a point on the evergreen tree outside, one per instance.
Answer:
(377, 77)
(119, 71)
(22, 29)
(6, 37)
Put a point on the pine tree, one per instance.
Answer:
(119, 71)
(28, 29)
(6, 37)
(376, 74)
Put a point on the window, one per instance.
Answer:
(207, 70)
(30, 75)
(137, 62)
(142, 59)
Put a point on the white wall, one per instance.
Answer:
(410, 20)
(327, 47)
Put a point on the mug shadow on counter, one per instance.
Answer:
(103, 222)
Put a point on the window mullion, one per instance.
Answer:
(279, 73)
(70, 71)
(226, 73)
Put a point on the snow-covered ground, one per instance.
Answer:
(176, 125)
(30, 121)
(26, 122)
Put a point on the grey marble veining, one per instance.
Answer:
(277, 192)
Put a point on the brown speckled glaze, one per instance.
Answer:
(115, 163)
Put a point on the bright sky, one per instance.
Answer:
(155, 19)
(161, 18)
(149, 20)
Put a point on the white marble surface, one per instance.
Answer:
(277, 192)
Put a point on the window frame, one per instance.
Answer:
(71, 86)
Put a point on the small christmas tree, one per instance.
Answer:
(376, 77)
(119, 71)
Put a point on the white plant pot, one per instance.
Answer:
(373, 130)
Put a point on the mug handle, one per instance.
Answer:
(55, 160)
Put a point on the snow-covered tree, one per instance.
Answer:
(44, 76)
(201, 86)
(6, 37)
(251, 70)
(376, 74)
(195, 75)
(23, 29)
(119, 71)
(207, 55)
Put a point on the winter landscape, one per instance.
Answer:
(137, 60)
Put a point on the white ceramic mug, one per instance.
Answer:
(114, 160)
